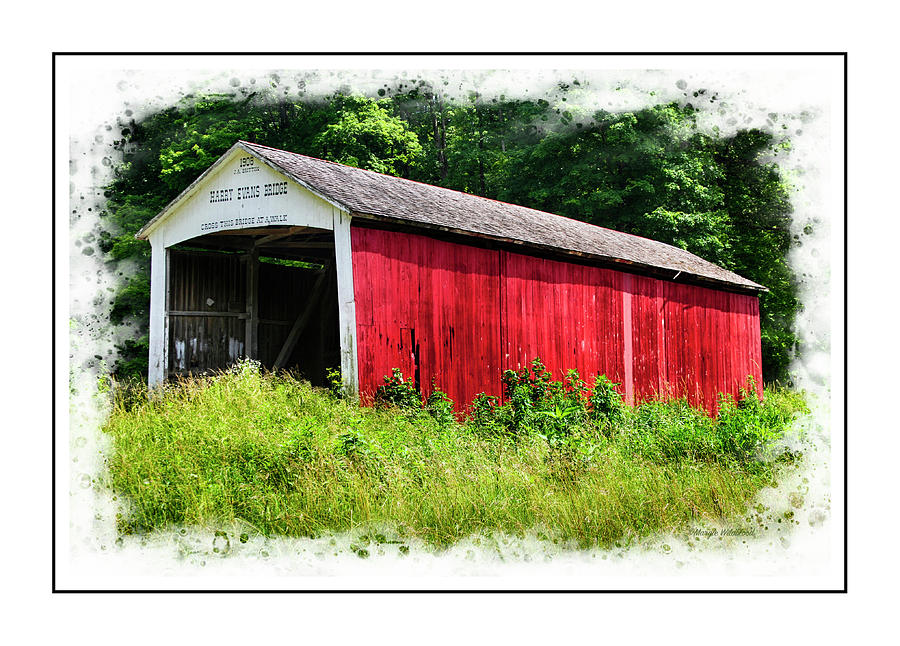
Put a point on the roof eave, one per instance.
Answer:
(611, 260)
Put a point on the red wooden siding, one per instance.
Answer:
(428, 308)
(693, 342)
(568, 315)
(459, 315)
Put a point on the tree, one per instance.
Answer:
(365, 134)
(757, 200)
(653, 174)
(650, 172)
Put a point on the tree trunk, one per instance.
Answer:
(440, 133)
(481, 182)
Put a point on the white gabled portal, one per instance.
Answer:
(242, 192)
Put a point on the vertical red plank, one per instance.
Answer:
(720, 342)
(627, 349)
(637, 340)
(682, 348)
(756, 343)
(704, 347)
(501, 298)
(690, 348)
(425, 299)
(672, 343)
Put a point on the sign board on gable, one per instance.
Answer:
(245, 193)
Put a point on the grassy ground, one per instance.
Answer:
(562, 459)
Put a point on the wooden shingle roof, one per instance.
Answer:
(369, 194)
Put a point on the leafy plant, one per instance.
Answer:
(440, 407)
(335, 382)
(484, 414)
(606, 402)
(398, 393)
(265, 450)
(557, 422)
(353, 445)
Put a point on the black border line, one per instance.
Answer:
(846, 233)
(53, 327)
(451, 53)
(56, 590)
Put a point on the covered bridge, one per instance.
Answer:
(309, 264)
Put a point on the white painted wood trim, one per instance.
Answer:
(346, 303)
(159, 328)
(251, 336)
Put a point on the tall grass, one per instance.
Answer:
(273, 452)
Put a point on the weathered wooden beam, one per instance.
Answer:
(250, 231)
(304, 245)
(279, 235)
(251, 334)
(297, 329)
(204, 252)
(272, 238)
(240, 315)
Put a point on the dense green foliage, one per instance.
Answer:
(650, 172)
(566, 460)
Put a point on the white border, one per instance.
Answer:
(834, 575)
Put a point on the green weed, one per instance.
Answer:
(274, 453)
